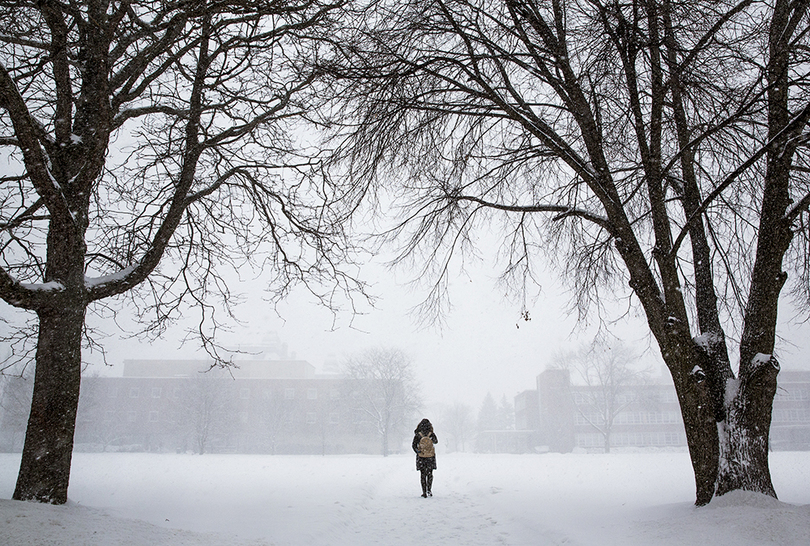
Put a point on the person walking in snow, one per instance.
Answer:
(423, 440)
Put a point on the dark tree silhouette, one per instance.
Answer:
(142, 130)
(659, 145)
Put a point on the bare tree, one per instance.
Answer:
(207, 409)
(612, 384)
(138, 130)
(96, 421)
(385, 390)
(458, 422)
(659, 145)
(15, 403)
(276, 414)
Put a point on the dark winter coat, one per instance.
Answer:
(424, 429)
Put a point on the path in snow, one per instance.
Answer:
(390, 511)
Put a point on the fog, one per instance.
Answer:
(482, 345)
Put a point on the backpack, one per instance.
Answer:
(426, 448)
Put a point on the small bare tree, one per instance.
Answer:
(385, 390)
(15, 403)
(207, 408)
(459, 426)
(276, 412)
(612, 384)
(95, 421)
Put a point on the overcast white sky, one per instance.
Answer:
(483, 347)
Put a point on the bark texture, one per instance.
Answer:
(743, 435)
(45, 466)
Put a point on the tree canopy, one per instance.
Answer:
(151, 143)
(653, 150)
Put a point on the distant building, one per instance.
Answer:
(527, 416)
(559, 416)
(557, 411)
(790, 420)
(258, 406)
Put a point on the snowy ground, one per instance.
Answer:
(624, 499)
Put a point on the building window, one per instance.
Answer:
(790, 415)
(627, 439)
(592, 418)
(153, 417)
(669, 396)
(132, 416)
(267, 394)
(664, 439)
(334, 418)
(590, 440)
(796, 395)
(289, 394)
(244, 394)
(312, 417)
(134, 392)
(156, 392)
(312, 394)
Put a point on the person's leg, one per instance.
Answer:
(430, 483)
(423, 480)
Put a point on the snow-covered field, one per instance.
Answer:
(574, 499)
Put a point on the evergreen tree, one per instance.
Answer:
(488, 414)
(506, 415)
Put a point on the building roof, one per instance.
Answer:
(245, 369)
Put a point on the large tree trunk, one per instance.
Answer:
(728, 449)
(744, 433)
(45, 466)
(686, 364)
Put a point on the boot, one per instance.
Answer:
(430, 484)
(423, 481)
